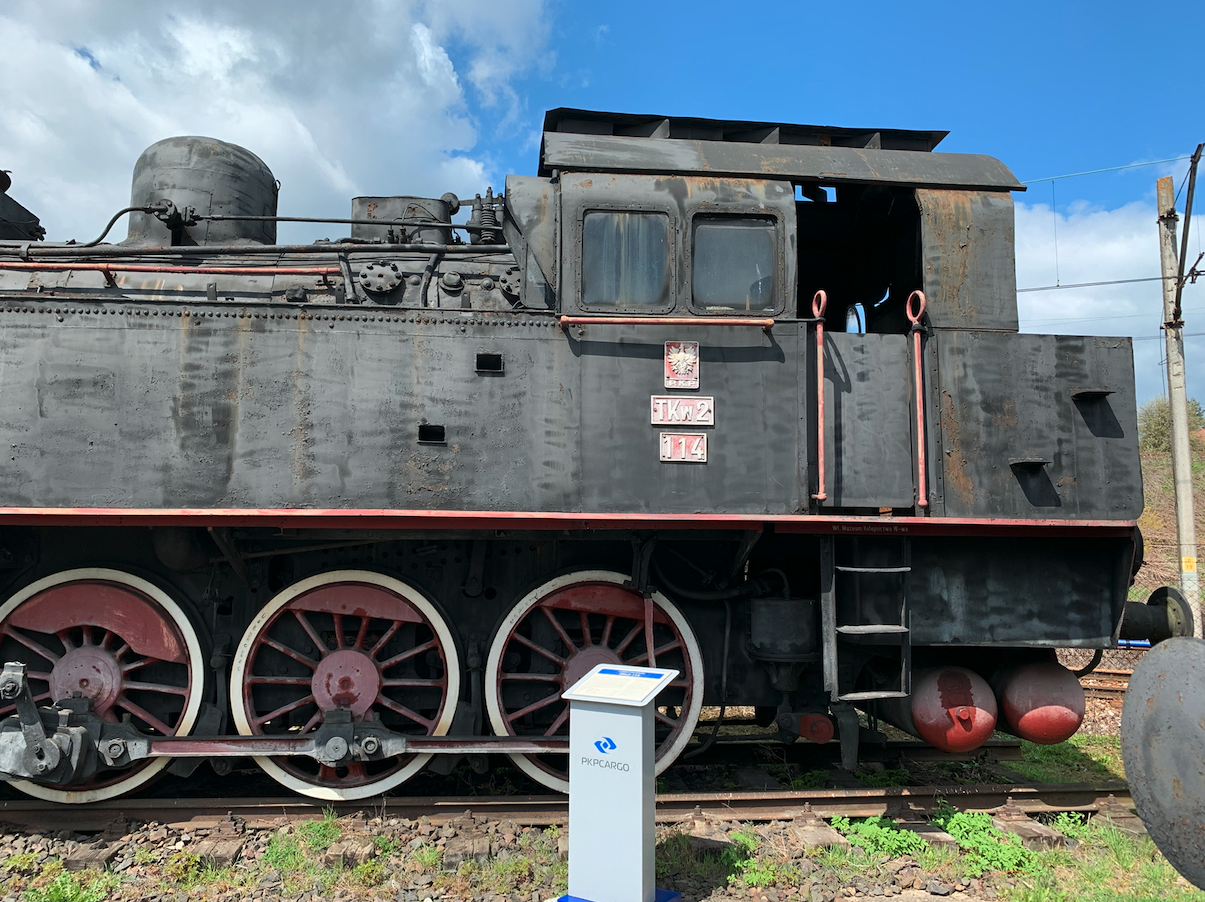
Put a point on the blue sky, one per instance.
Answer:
(426, 96)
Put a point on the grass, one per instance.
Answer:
(1081, 759)
(55, 884)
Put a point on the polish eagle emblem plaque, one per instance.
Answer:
(681, 364)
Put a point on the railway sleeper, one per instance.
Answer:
(68, 743)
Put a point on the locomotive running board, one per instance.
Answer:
(426, 520)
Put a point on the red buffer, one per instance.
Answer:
(953, 708)
(1042, 702)
(816, 727)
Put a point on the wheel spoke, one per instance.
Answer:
(38, 675)
(64, 636)
(556, 724)
(155, 687)
(606, 636)
(106, 639)
(135, 665)
(338, 618)
(551, 656)
(283, 709)
(86, 629)
(629, 638)
(409, 653)
(385, 637)
(362, 632)
(312, 722)
(142, 714)
(668, 646)
(680, 683)
(405, 712)
(587, 640)
(534, 677)
(33, 646)
(414, 683)
(534, 706)
(290, 652)
(570, 645)
(278, 681)
(310, 631)
(668, 721)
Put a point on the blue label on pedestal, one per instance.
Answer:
(613, 671)
(662, 895)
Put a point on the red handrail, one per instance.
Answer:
(914, 316)
(167, 268)
(819, 303)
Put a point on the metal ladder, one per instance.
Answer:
(843, 620)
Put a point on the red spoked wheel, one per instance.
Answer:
(118, 640)
(348, 639)
(556, 634)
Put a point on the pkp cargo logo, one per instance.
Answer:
(605, 745)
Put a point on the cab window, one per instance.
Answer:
(734, 263)
(626, 260)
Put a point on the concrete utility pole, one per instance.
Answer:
(1173, 327)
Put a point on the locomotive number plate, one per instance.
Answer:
(684, 447)
(674, 410)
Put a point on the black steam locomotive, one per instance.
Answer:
(746, 399)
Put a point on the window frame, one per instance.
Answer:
(579, 241)
(747, 211)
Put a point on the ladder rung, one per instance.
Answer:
(874, 569)
(872, 629)
(866, 696)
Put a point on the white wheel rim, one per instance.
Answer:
(242, 657)
(493, 669)
(196, 671)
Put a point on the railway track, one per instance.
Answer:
(896, 801)
(1105, 683)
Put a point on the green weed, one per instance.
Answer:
(812, 779)
(386, 845)
(879, 836)
(985, 848)
(890, 777)
(284, 853)
(320, 835)
(370, 873)
(89, 886)
(428, 856)
(22, 863)
(182, 869)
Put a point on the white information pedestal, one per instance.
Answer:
(611, 784)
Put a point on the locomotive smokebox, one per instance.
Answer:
(214, 178)
(1042, 702)
(782, 635)
(951, 708)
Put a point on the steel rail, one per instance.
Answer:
(895, 801)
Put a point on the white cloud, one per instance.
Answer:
(359, 99)
(1097, 245)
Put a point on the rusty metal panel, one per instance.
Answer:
(970, 273)
(1052, 592)
(868, 441)
(530, 224)
(222, 409)
(752, 451)
(831, 165)
(1041, 426)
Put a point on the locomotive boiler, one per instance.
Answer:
(744, 399)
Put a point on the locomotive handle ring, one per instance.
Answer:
(914, 316)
